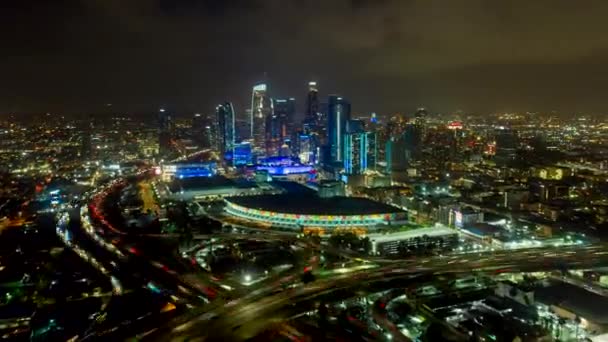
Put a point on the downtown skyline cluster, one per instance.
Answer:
(304, 170)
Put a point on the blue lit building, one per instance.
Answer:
(184, 170)
(285, 170)
(360, 152)
(373, 118)
(355, 126)
(338, 112)
(226, 129)
(242, 154)
(276, 161)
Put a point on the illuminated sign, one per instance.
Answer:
(260, 87)
(455, 125)
(458, 219)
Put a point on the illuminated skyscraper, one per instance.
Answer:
(403, 148)
(201, 130)
(312, 104)
(210, 134)
(359, 152)
(165, 128)
(198, 123)
(272, 137)
(315, 119)
(284, 111)
(226, 130)
(261, 108)
(305, 149)
(413, 141)
(338, 112)
(372, 150)
(355, 126)
(242, 154)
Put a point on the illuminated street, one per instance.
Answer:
(304, 170)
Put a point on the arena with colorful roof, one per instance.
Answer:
(310, 212)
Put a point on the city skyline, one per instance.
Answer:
(74, 57)
(304, 170)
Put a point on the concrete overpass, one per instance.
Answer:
(246, 317)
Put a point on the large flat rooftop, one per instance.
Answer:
(206, 183)
(578, 300)
(305, 204)
(410, 234)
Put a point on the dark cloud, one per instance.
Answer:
(387, 55)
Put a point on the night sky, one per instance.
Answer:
(386, 56)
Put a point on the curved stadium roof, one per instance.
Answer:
(313, 205)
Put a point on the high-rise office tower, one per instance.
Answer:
(261, 108)
(242, 128)
(226, 130)
(284, 111)
(396, 155)
(315, 118)
(506, 146)
(242, 154)
(372, 150)
(421, 120)
(305, 149)
(198, 130)
(360, 152)
(210, 134)
(413, 139)
(312, 104)
(198, 122)
(165, 127)
(401, 150)
(245, 133)
(338, 112)
(355, 126)
(272, 137)
(165, 120)
(290, 118)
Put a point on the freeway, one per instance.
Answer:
(244, 314)
(245, 318)
(380, 316)
(134, 264)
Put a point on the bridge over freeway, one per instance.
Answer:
(248, 316)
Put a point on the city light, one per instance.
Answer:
(179, 193)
